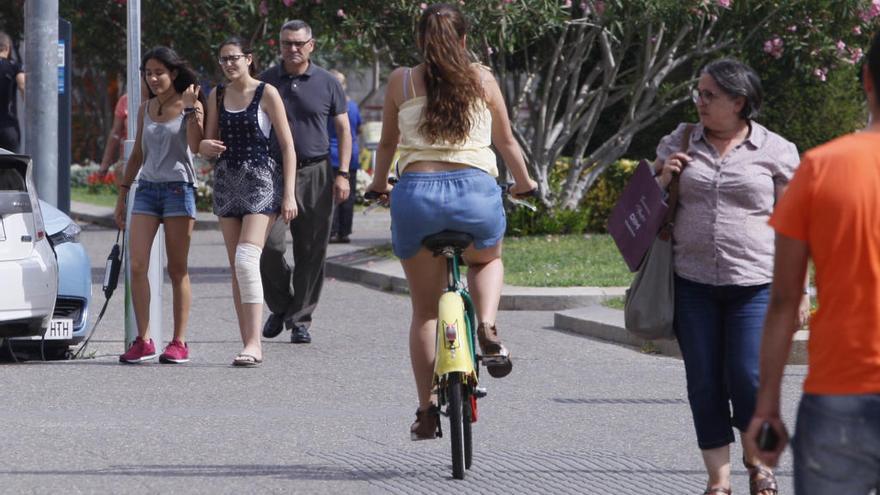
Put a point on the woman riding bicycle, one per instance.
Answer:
(445, 113)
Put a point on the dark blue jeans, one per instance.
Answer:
(719, 332)
(837, 444)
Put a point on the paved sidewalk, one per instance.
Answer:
(577, 415)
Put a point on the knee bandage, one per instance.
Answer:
(247, 271)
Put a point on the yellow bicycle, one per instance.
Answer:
(456, 369)
(456, 362)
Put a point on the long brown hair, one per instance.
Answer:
(452, 86)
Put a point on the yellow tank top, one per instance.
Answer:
(474, 151)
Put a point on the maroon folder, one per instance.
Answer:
(637, 215)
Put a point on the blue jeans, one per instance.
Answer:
(837, 445)
(719, 333)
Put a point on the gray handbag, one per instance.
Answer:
(649, 305)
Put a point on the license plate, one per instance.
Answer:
(60, 329)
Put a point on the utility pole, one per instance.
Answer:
(157, 262)
(41, 102)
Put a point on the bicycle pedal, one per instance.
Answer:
(480, 392)
(495, 360)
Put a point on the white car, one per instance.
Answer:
(28, 267)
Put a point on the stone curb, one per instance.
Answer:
(103, 216)
(606, 324)
(386, 274)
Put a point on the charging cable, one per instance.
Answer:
(111, 280)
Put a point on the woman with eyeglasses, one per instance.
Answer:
(169, 129)
(250, 188)
(730, 177)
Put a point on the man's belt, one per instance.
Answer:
(305, 162)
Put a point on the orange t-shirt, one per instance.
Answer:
(833, 204)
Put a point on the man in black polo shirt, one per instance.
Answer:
(11, 77)
(311, 95)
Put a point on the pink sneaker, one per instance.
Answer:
(142, 350)
(176, 352)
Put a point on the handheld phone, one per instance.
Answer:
(768, 439)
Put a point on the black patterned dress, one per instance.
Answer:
(246, 178)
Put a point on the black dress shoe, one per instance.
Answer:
(300, 335)
(274, 326)
(343, 239)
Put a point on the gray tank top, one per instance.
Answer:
(167, 157)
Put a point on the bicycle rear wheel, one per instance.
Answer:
(454, 410)
(466, 419)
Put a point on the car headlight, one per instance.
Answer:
(69, 234)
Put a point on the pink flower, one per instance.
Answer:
(340, 13)
(871, 12)
(791, 29)
(856, 55)
(287, 3)
(725, 3)
(566, 4)
(774, 47)
(821, 73)
(264, 8)
(857, 30)
(841, 46)
(423, 6)
(599, 5)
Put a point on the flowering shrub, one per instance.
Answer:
(99, 184)
(79, 174)
(204, 183)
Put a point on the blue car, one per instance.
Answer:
(74, 286)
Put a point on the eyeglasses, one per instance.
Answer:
(297, 44)
(703, 96)
(230, 59)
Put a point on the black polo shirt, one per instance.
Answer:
(309, 100)
(8, 71)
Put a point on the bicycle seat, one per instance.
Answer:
(447, 238)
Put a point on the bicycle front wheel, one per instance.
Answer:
(454, 410)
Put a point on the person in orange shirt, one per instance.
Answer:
(830, 213)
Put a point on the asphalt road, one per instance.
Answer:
(575, 416)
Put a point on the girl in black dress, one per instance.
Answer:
(250, 189)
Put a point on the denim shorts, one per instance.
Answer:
(425, 203)
(165, 199)
(837, 444)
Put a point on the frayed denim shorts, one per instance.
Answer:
(165, 199)
(425, 203)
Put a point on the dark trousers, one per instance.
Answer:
(837, 444)
(719, 333)
(343, 214)
(294, 292)
(9, 138)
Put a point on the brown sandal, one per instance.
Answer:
(761, 479)
(717, 489)
(427, 424)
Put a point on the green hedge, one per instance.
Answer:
(591, 216)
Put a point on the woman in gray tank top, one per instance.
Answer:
(170, 126)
